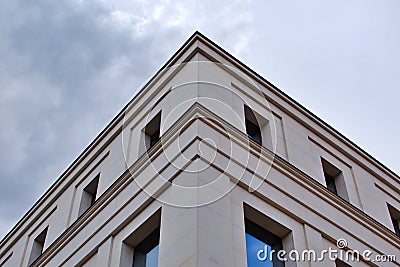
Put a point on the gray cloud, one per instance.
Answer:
(66, 68)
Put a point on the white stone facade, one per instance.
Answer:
(205, 177)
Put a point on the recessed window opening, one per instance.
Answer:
(89, 194)
(265, 234)
(395, 218)
(37, 246)
(152, 131)
(253, 129)
(334, 179)
(140, 249)
(330, 183)
(257, 238)
(146, 252)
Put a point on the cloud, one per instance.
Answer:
(68, 66)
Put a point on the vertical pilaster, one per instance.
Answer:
(315, 243)
(104, 253)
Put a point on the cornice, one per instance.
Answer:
(198, 112)
(293, 103)
(303, 179)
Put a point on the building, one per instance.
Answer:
(212, 165)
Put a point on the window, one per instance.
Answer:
(152, 131)
(252, 127)
(340, 263)
(396, 226)
(334, 179)
(330, 183)
(146, 252)
(37, 247)
(89, 195)
(259, 244)
(140, 249)
(263, 235)
(395, 218)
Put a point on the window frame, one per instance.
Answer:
(89, 195)
(38, 245)
(152, 131)
(395, 219)
(334, 179)
(252, 125)
(269, 225)
(143, 238)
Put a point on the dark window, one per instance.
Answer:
(152, 131)
(140, 248)
(146, 253)
(37, 247)
(89, 195)
(396, 226)
(259, 244)
(253, 131)
(330, 183)
(154, 138)
(334, 179)
(252, 126)
(395, 217)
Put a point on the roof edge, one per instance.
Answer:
(196, 36)
(286, 97)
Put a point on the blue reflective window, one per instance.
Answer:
(254, 258)
(146, 253)
(262, 246)
(152, 257)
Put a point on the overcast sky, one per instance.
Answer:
(68, 67)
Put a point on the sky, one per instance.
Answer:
(68, 67)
